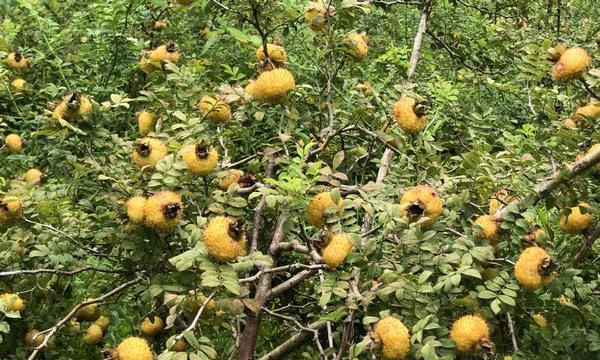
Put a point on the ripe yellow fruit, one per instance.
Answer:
(135, 209)
(271, 85)
(576, 221)
(103, 322)
(19, 84)
(316, 214)
(507, 357)
(179, 345)
(535, 237)
(357, 45)
(148, 152)
(93, 335)
(224, 238)
(471, 334)
(534, 268)
(163, 210)
(587, 113)
(11, 209)
(160, 25)
(146, 65)
(152, 327)
(540, 320)
(569, 124)
(213, 109)
(572, 63)
(32, 339)
(74, 106)
(89, 312)
(564, 300)
(13, 143)
(33, 176)
(317, 15)
(133, 348)
(276, 53)
(337, 250)
(394, 338)
(409, 115)
(17, 61)
(145, 121)
(166, 52)
(232, 176)
(422, 201)
(200, 159)
(499, 199)
(489, 227)
(12, 302)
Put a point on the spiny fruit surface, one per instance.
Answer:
(572, 63)
(152, 327)
(19, 84)
(469, 333)
(223, 238)
(394, 338)
(357, 45)
(540, 320)
(405, 115)
(145, 121)
(587, 113)
(163, 210)
(148, 152)
(89, 312)
(214, 110)
(33, 176)
(12, 302)
(569, 123)
(165, 52)
(317, 15)
(11, 209)
(93, 336)
(489, 227)
(134, 348)
(17, 61)
(32, 339)
(576, 221)
(74, 106)
(103, 322)
(200, 159)
(13, 142)
(271, 85)
(499, 199)
(318, 205)
(233, 176)
(422, 200)
(135, 209)
(529, 269)
(276, 53)
(337, 250)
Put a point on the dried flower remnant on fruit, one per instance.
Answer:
(471, 335)
(421, 201)
(534, 268)
(225, 238)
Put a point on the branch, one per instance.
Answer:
(281, 351)
(586, 245)
(63, 272)
(511, 330)
(281, 269)
(261, 204)
(196, 318)
(52, 331)
(589, 88)
(296, 246)
(291, 282)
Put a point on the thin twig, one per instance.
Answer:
(511, 330)
(63, 272)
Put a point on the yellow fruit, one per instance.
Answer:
(569, 124)
(357, 45)
(489, 227)
(498, 200)
(32, 339)
(13, 143)
(233, 176)
(213, 109)
(540, 320)
(145, 122)
(317, 15)
(133, 348)
(337, 250)
(507, 357)
(576, 221)
(166, 52)
(471, 334)
(103, 322)
(572, 63)
(93, 335)
(17, 61)
(74, 106)
(535, 237)
(12, 302)
(152, 327)
(135, 209)
(160, 25)
(224, 238)
(11, 209)
(318, 205)
(394, 338)
(148, 152)
(33, 176)
(89, 312)
(163, 210)
(422, 201)
(564, 300)
(146, 65)
(534, 268)
(179, 345)
(200, 159)
(271, 85)
(276, 53)
(19, 84)
(405, 112)
(587, 113)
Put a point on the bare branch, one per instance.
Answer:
(281, 269)
(586, 246)
(261, 204)
(63, 272)
(291, 282)
(196, 318)
(511, 330)
(281, 351)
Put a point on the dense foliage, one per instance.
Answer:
(299, 202)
